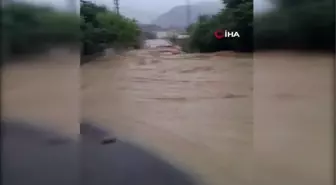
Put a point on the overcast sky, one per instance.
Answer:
(154, 6)
(157, 6)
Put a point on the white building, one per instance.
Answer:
(182, 36)
(165, 34)
(153, 43)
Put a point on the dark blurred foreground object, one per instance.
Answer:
(32, 156)
(109, 140)
(122, 163)
(91, 132)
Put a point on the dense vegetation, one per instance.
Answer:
(237, 16)
(304, 24)
(102, 28)
(29, 28)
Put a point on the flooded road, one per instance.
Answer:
(224, 119)
(193, 111)
(43, 90)
(293, 112)
(219, 118)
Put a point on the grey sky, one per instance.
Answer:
(153, 6)
(162, 6)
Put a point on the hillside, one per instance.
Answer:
(142, 16)
(149, 27)
(177, 16)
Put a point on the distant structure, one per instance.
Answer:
(166, 34)
(116, 5)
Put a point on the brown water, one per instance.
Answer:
(198, 112)
(293, 113)
(193, 111)
(224, 119)
(43, 90)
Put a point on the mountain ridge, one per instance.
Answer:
(177, 16)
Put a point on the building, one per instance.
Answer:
(182, 36)
(154, 43)
(166, 34)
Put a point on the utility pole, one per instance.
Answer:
(188, 12)
(72, 5)
(116, 5)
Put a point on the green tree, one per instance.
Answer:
(240, 13)
(102, 28)
(28, 28)
(236, 16)
(302, 24)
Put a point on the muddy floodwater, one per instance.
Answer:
(44, 91)
(224, 119)
(293, 113)
(213, 119)
(193, 111)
